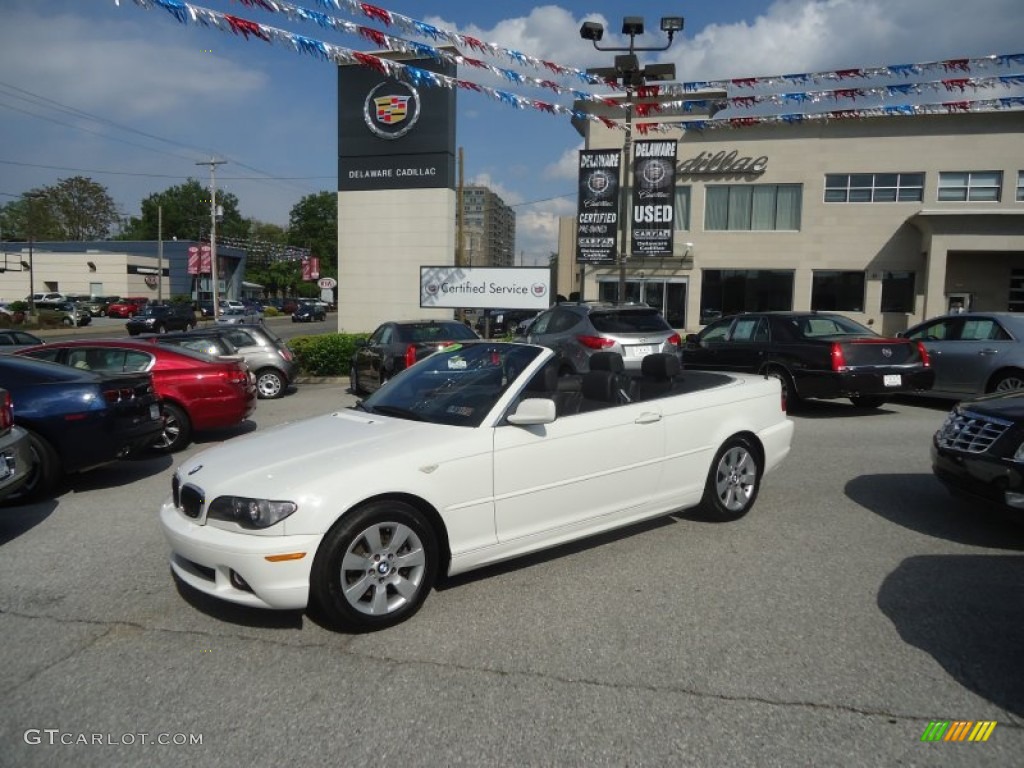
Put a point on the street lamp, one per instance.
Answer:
(627, 70)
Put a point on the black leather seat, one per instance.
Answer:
(612, 362)
(658, 372)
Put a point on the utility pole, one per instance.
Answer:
(213, 232)
(160, 253)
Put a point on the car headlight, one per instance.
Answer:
(250, 513)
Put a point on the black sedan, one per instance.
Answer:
(309, 312)
(978, 453)
(814, 355)
(395, 346)
(77, 420)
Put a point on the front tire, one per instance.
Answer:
(1010, 381)
(177, 432)
(733, 481)
(353, 378)
(68, 321)
(269, 384)
(375, 567)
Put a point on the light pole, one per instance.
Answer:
(31, 196)
(627, 69)
(213, 232)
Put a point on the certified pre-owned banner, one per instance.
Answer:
(654, 185)
(485, 287)
(597, 220)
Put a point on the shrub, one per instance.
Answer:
(271, 312)
(328, 354)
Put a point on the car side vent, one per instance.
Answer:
(971, 432)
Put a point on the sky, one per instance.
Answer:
(135, 100)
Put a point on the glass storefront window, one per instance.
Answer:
(668, 296)
(836, 291)
(730, 291)
(898, 292)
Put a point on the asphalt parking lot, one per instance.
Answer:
(854, 605)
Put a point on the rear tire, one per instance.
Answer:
(177, 432)
(789, 394)
(269, 384)
(45, 474)
(353, 377)
(733, 481)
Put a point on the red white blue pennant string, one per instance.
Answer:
(754, 95)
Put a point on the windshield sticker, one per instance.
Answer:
(460, 410)
(457, 364)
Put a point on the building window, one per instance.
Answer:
(874, 187)
(737, 207)
(898, 292)
(728, 291)
(834, 291)
(1020, 186)
(682, 213)
(970, 186)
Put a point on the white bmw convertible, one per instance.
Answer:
(477, 454)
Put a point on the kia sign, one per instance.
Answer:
(485, 287)
(327, 283)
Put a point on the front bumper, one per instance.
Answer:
(204, 557)
(980, 477)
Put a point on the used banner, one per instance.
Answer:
(654, 186)
(597, 218)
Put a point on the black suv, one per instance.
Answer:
(160, 318)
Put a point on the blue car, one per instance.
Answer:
(77, 420)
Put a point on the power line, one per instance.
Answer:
(158, 175)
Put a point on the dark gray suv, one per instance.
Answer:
(577, 331)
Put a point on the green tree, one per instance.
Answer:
(186, 215)
(80, 209)
(27, 216)
(313, 224)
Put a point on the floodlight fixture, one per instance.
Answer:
(592, 30)
(633, 25)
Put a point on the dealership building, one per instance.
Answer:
(888, 220)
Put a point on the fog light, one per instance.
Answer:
(238, 582)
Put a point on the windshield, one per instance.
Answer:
(629, 321)
(458, 386)
(428, 333)
(812, 326)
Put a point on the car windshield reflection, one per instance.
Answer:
(457, 386)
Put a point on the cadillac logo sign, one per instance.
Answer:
(391, 110)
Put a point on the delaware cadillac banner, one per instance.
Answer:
(597, 218)
(654, 186)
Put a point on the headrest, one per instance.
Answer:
(661, 365)
(599, 385)
(545, 380)
(607, 361)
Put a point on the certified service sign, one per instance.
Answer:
(485, 287)
(391, 109)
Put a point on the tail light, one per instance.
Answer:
(675, 339)
(926, 359)
(236, 375)
(595, 342)
(286, 353)
(6, 412)
(119, 395)
(838, 359)
(410, 356)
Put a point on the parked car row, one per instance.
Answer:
(79, 402)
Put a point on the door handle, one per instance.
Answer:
(989, 351)
(648, 417)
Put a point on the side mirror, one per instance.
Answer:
(362, 342)
(692, 338)
(533, 411)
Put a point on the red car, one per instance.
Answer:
(197, 392)
(127, 307)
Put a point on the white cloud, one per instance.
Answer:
(567, 166)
